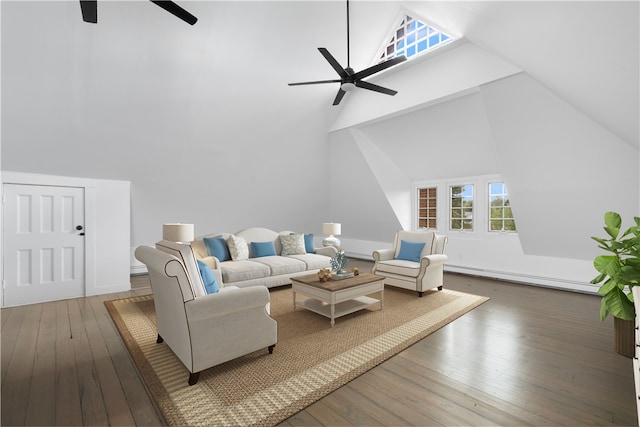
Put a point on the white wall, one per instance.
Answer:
(107, 227)
(206, 131)
(562, 169)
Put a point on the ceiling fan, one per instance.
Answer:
(90, 10)
(349, 79)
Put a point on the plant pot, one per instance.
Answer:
(624, 337)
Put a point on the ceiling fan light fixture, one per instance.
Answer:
(347, 86)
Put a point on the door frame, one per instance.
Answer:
(89, 187)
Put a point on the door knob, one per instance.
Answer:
(78, 227)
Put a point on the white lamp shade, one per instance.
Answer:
(331, 228)
(177, 232)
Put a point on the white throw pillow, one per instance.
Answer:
(292, 244)
(238, 248)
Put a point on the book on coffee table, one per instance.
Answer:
(341, 276)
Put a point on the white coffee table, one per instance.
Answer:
(336, 298)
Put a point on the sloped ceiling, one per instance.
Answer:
(586, 52)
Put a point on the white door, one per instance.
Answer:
(43, 243)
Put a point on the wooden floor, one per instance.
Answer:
(529, 356)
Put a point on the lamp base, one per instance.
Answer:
(331, 241)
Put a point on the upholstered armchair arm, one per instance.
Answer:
(383, 254)
(223, 303)
(329, 251)
(432, 260)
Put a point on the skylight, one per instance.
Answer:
(412, 38)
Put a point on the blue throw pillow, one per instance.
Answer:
(309, 246)
(410, 251)
(260, 249)
(217, 247)
(208, 278)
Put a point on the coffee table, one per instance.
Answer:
(336, 298)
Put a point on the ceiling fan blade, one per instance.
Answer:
(314, 83)
(176, 10)
(339, 97)
(379, 67)
(89, 10)
(335, 64)
(375, 88)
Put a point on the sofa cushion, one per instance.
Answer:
(279, 265)
(217, 247)
(309, 245)
(262, 249)
(292, 244)
(208, 278)
(426, 237)
(238, 248)
(236, 271)
(313, 261)
(410, 251)
(399, 266)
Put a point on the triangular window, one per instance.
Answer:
(412, 38)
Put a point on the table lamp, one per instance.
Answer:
(332, 229)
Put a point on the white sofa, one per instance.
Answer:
(424, 272)
(204, 330)
(269, 271)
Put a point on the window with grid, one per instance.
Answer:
(461, 205)
(500, 214)
(427, 207)
(411, 38)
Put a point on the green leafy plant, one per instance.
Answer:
(619, 269)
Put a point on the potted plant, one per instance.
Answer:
(619, 270)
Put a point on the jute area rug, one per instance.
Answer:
(310, 360)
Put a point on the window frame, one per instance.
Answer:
(462, 208)
(502, 219)
(432, 206)
(480, 213)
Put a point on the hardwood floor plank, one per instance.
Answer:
(41, 405)
(139, 403)
(115, 402)
(17, 381)
(94, 411)
(68, 407)
(11, 322)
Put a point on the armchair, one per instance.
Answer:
(205, 330)
(421, 271)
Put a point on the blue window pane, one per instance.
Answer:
(411, 38)
(422, 45)
(400, 44)
(431, 30)
(422, 33)
(434, 40)
(411, 26)
(411, 50)
(420, 24)
(445, 37)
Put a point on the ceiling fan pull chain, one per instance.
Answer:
(348, 49)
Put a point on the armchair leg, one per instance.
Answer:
(420, 294)
(160, 340)
(271, 347)
(440, 287)
(193, 378)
